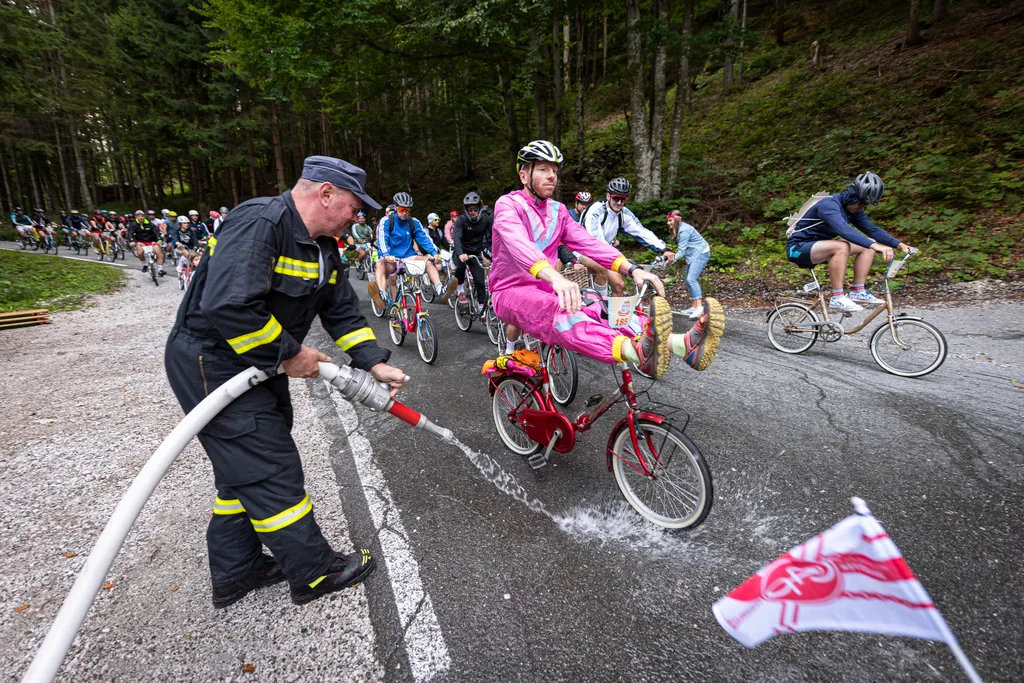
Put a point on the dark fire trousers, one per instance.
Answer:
(261, 496)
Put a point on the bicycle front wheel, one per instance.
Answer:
(509, 393)
(426, 339)
(919, 349)
(786, 328)
(564, 374)
(396, 324)
(463, 315)
(678, 493)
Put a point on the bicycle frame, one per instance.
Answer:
(820, 305)
(538, 386)
(407, 284)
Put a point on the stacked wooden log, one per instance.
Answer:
(39, 316)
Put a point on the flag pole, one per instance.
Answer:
(861, 508)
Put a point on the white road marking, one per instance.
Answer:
(73, 258)
(424, 642)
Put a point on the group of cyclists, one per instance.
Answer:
(181, 237)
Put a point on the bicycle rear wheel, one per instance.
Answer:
(564, 374)
(923, 350)
(781, 328)
(507, 396)
(426, 339)
(678, 493)
(427, 288)
(152, 272)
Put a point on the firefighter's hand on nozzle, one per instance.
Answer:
(382, 372)
(304, 363)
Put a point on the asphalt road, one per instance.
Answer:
(129, 262)
(478, 585)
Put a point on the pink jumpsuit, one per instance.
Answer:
(524, 241)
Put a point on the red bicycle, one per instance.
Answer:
(406, 314)
(659, 470)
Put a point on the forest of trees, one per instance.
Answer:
(129, 101)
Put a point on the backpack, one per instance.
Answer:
(794, 220)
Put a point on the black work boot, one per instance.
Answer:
(263, 574)
(345, 571)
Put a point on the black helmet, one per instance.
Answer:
(869, 188)
(539, 150)
(620, 186)
(403, 200)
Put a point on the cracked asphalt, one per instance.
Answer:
(550, 575)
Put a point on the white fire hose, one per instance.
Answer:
(355, 385)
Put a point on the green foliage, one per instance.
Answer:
(30, 281)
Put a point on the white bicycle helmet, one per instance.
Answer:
(431, 217)
(539, 150)
(182, 220)
(583, 196)
(403, 200)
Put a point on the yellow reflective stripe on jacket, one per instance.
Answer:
(297, 268)
(210, 244)
(265, 335)
(347, 341)
(334, 277)
(227, 507)
(283, 519)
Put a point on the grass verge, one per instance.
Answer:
(38, 281)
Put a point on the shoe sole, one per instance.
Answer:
(363, 572)
(452, 287)
(227, 602)
(715, 329)
(661, 324)
(375, 295)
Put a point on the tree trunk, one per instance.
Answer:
(682, 101)
(566, 78)
(234, 186)
(604, 47)
(275, 133)
(18, 197)
(36, 197)
(252, 172)
(642, 153)
(940, 12)
(914, 25)
(69, 198)
(540, 100)
(429, 119)
(743, 28)
(727, 66)
(7, 187)
(780, 22)
(658, 106)
(147, 202)
(86, 195)
(581, 138)
(556, 80)
(509, 105)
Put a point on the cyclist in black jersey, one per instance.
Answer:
(142, 232)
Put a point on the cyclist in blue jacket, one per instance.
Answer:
(842, 215)
(395, 236)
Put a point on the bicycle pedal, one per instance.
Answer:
(594, 400)
(536, 461)
(847, 314)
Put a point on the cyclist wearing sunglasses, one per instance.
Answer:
(529, 293)
(604, 220)
(396, 236)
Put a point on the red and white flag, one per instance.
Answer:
(850, 578)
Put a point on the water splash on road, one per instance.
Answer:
(615, 522)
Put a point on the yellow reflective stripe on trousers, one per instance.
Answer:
(283, 519)
(227, 507)
(347, 341)
(297, 268)
(265, 335)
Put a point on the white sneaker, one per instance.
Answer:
(697, 312)
(844, 303)
(687, 312)
(865, 297)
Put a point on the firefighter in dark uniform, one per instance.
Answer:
(272, 268)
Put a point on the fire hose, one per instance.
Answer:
(355, 385)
